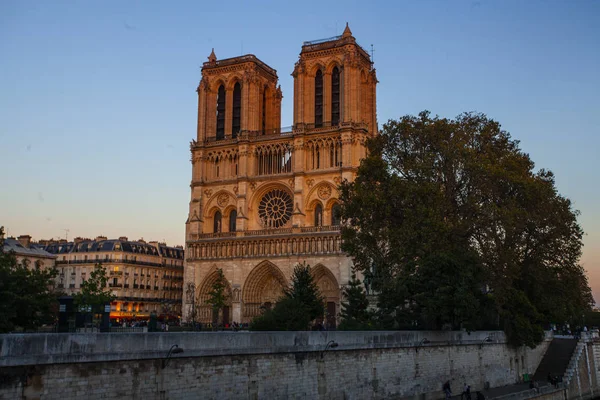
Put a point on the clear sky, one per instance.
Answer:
(98, 102)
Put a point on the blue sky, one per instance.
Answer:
(98, 102)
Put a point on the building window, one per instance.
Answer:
(221, 113)
(319, 99)
(237, 110)
(318, 215)
(335, 96)
(232, 220)
(217, 222)
(336, 215)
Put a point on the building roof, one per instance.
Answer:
(34, 250)
(110, 245)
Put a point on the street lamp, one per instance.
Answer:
(421, 343)
(486, 340)
(175, 349)
(330, 345)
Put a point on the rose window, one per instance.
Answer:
(275, 209)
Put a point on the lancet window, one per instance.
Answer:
(221, 113)
(335, 96)
(237, 110)
(319, 99)
(217, 222)
(232, 220)
(336, 215)
(273, 159)
(324, 153)
(318, 215)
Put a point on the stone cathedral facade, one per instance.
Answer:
(264, 198)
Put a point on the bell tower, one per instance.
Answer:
(264, 197)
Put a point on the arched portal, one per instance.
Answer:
(329, 288)
(205, 309)
(264, 285)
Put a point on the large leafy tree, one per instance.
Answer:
(93, 294)
(28, 298)
(301, 303)
(448, 217)
(218, 296)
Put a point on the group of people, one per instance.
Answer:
(466, 393)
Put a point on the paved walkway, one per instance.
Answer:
(506, 391)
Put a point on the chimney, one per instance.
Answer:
(25, 240)
(99, 238)
(78, 239)
(179, 247)
(123, 238)
(142, 241)
(62, 241)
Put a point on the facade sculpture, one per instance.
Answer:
(263, 197)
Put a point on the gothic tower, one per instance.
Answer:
(264, 197)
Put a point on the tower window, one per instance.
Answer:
(319, 99)
(217, 222)
(221, 113)
(335, 96)
(237, 110)
(336, 215)
(232, 220)
(318, 215)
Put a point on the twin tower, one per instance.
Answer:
(263, 197)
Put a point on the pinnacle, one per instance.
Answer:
(347, 31)
(212, 58)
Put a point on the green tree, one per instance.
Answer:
(301, 303)
(28, 298)
(436, 195)
(355, 313)
(93, 295)
(217, 296)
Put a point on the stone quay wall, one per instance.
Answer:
(258, 365)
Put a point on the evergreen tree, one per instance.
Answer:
(301, 303)
(217, 297)
(305, 290)
(355, 314)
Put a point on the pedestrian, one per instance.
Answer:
(447, 389)
(479, 396)
(466, 392)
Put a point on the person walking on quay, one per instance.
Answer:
(447, 389)
(466, 392)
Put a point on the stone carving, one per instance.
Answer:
(337, 180)
(324, 192)
(235, 189)
(208, 192)
(310, 182)
(223, 199)
(252, 185)
(291, 183)
(236, 295)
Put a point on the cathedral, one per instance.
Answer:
(263, 197)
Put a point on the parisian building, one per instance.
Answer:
(264, 198)
(144, 276)
(29, 252)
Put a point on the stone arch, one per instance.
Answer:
(213, 203)
(214, 87)
(314, 194)
(204, 309)
(332, 64)
(264, 284)
(232, 80)
(330, 290)
(315, 67)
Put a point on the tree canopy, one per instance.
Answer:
(28, 298)
(217, 296)
(355, 313)
(93, 291)
(453, 226)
